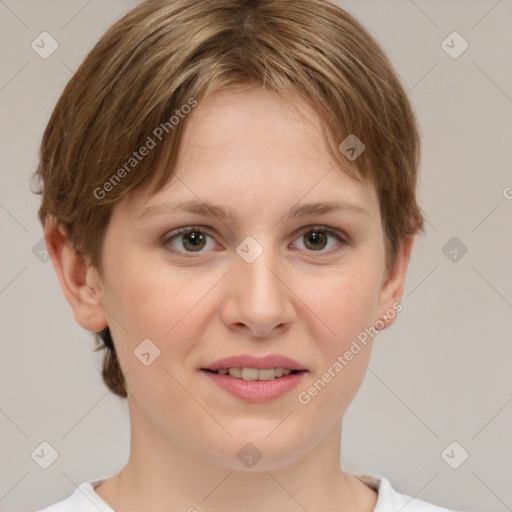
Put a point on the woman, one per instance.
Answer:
(228, 198)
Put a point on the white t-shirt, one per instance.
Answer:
(85, 499)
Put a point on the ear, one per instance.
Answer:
(394, 280)
(78, 280)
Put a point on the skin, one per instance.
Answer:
(298, 299)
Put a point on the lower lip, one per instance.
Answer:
(259, 390)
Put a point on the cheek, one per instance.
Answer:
(345, 305)
(143, 295)
(168, 308)
(158, 302)
(345, 309)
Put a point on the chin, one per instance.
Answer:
(266, 452)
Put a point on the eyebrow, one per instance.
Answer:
(219, 212)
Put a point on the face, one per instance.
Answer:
(264, 282)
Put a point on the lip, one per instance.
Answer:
(259, 390)
(249, 361)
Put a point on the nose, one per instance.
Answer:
(257, 301)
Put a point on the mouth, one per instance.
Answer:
(255, 385)
(255, 379)
(254, 374)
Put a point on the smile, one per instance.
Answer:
(255, 385)
(252, 374)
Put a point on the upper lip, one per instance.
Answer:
(248, 361)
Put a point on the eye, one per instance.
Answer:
(193, 239)
(316, 238)
(189, 239)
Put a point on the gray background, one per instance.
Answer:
(441, 374)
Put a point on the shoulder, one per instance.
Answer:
(389, 500)
(83, 499)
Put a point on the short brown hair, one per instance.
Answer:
(165, 54)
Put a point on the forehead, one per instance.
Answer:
(249, 148)
(254, 122)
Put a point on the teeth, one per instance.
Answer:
(235, 372)
(255, 373)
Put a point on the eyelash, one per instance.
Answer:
(169, 237)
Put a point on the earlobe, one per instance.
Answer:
(77, 279)
(394, 282)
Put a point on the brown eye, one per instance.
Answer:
(188, 240)
(316, 239)
(194, 240)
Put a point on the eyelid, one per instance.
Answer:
(323, 227)
(185, 229)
